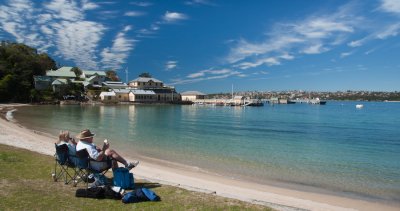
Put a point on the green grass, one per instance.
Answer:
(26, 184)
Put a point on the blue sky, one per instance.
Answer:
(209, 45)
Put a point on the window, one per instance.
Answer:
(109, 97)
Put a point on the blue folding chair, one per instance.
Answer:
(84, 168)
(63, 168)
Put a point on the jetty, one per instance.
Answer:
(236, 101)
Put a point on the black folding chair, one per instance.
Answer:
(63, 168)
(84, 169)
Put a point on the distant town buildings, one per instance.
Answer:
(151, 90)
(140, 90)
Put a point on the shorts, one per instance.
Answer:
(103, 165)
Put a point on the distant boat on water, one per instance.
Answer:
(317, 101)
(359, 106)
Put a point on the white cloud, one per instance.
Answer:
(210, 72)
(270, 61)
(208, 75)
(382, 32)
(315, 49)
(60, 25)
(171, 65)
(391, 6)
(113, 57)
(246, 49)
(44, 18)
(16, 18)
(134, 13)
(356, 43)
(64, 9)
(390, 31)
(286, 56)
(320, 28)
(171, 17)
(77, 41)
(369, 51)
(196, 75)
(127, 28)
(155, 27)
(86, 5)
(200, 2)
(346, 54)
(46, 30)
(142, 4)
(312, 35)
(217, 72)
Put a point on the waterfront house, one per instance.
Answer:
(115, 84)
(108, 97)
(61, 73)
(42, 82)
(88, 77)
(164, 94)
(192, 96)
(142, 96)
(122, 95)
(146, 83)
(59, 84)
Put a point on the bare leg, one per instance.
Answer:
(116, 157)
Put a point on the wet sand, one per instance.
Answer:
(195, 179)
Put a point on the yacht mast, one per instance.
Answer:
(126, 75)
(232, 91)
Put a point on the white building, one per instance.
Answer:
(142, 96)
(108, 97)
(163, 94)
(192, 96)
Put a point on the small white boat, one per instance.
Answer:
(359, 106)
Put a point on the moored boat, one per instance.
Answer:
(359, 106)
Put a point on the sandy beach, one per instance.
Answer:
(153, 170)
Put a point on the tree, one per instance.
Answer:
(18, 64)
(111, 74)
(145, 75)
(77, 71)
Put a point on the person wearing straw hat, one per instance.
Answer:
(86, 142)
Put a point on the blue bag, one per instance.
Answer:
(150, 194)
(139, 195)
(122, 178)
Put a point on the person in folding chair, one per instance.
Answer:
(65, 153)
(101, 154)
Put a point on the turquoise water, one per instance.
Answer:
(334, 147)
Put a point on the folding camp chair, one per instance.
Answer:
(84, 168)
(63, 168)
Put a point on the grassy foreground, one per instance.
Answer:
(26, 184)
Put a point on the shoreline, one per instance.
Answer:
(194, 179)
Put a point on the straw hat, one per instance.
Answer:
(84, 134)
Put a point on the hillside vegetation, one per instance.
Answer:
(18, 64)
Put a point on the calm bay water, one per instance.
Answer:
(334, 147)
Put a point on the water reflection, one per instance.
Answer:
(132, 119)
